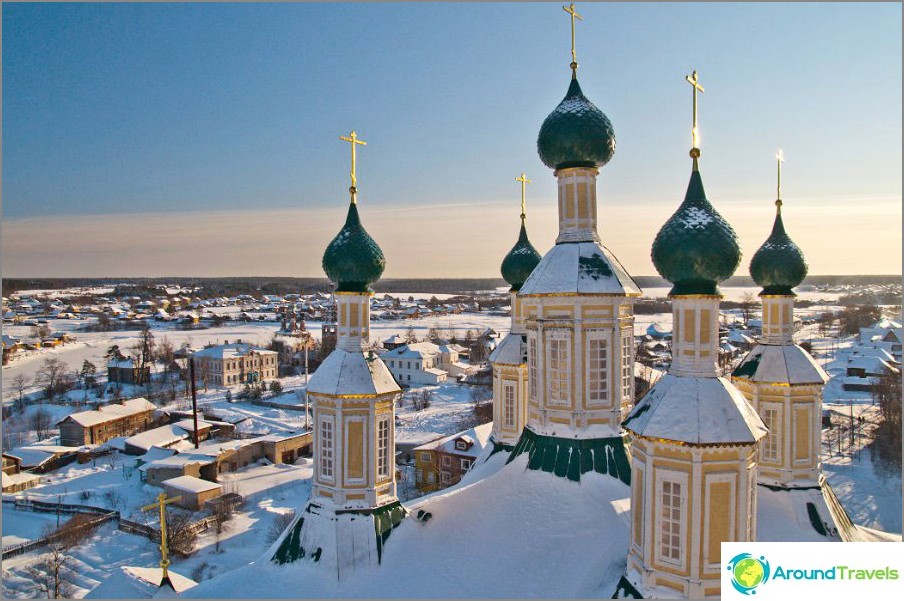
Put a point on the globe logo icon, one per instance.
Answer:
(748, 572)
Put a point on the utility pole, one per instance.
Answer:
(194, 399)
(852, 428)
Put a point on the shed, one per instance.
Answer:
(194, 491)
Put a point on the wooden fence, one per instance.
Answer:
(103, 515)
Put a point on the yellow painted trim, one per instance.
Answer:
(338, 293)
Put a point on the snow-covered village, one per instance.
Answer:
(580, 427)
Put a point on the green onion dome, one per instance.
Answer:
(576, 133)
(520, 261)
(778, 265)
(696, 248)
(353, 260)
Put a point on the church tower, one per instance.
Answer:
(509, 358)
(693, 435)
(578, 310)
(353, 505)
(784, 384)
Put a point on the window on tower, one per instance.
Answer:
(508, 405)
(627, 367)
(532, 367)
(326, 448)
(383, 448)
(770, 447)
(597, 368)
(670, 544)
(559, 377)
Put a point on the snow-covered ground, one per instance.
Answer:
(270, 490)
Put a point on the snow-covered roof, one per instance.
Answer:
(872, 365)
(780, 364)
(231, 351)
(696, 411)
(581, 534)
(141, 583)
(477, 437)
(190, 484)
(111, 412)
(416, 350)
(395, 339)
(345, 373)
(31, 457)
(180, 460)
(871, 351)
(21, 477)
(582, 267)
(740, 336)
(161, 437)
(127, 363)
(189, 424)
(858, 381)
(658, 328)
(511, 351)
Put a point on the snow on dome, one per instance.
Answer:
(344, 373)
(582, 267)
(784, 364)
(696, 411)
(580, 532)
(511, 351)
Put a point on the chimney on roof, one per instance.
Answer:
(226, 341)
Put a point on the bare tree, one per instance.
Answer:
(52, 575)
(19, 383)
(224, 510)
(826, 321)
(748, 302)
(410, 336)
(166, 352)
(41, 421)
(40, 331)
(282, 521)
(180, 535)
(143, 351)
(886, 448)
(50, 375)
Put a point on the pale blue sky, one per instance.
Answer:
(194, 109)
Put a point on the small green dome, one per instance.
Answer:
(696, 248)
(576, 133)
(778, 265)
(520, 261)
(353, 260)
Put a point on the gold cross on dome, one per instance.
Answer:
(352, 138)
(574, 57)
(162, 502)
(692, 79)
(779, 159)
(524, 181)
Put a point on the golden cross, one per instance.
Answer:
(354, 141)
(692, 79)
(162, 502)
(574, 57)
(779, 158)
(524, 181)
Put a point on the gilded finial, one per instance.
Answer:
(695, 150)
(352, 138)
(779, 159)
(574, 57)
(524, 181)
